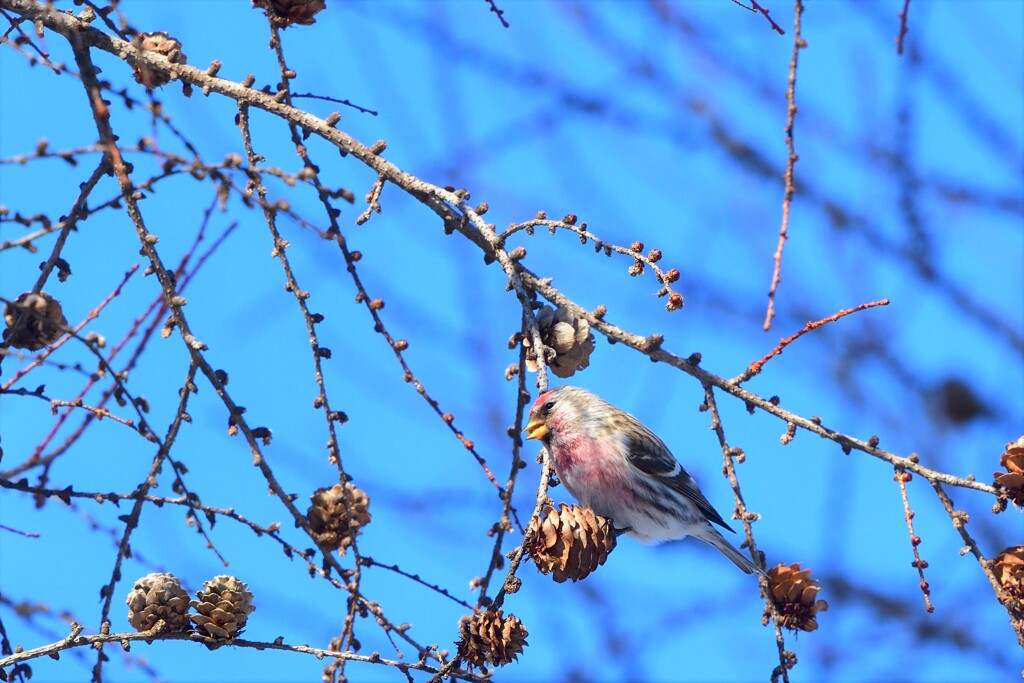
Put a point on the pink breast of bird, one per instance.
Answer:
(587, 465)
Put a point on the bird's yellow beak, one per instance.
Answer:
(536, 429)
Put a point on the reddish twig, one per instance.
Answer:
(183, 277)
(756, 366)
(93, 314)
(902, 477)
(93, 379)
(787, 199)
(903, 27)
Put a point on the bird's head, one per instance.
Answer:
(555, 409)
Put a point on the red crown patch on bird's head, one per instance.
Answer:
(543, 397)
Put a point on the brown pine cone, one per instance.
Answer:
(223, 607)
(570, 542)
(794, 592)
(567, 340)
(38, 318)
(160, 43)
(1008, 567)
(158, 596)
(284, 13)
(1012, 480)
(338, 514)
(489, 638)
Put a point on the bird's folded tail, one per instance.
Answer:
(739, 559)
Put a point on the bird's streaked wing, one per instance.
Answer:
(650, 455)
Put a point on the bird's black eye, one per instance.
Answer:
(549, 405)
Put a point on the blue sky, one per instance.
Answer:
(658, 122)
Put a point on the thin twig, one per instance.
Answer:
(325, 98)
(635, 251)
(762, 10)
(756, 366)
(26, 534)
(76, 640)
(960, 520)
(902, 478)
(93, 314)
(357, 603)
(504, 525)
(372, 199)
(499, 12)
(791, 159)
(728, 455)
(77, 212)
(904, 28)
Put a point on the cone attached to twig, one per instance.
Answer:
(163, 44)
(570, 542)
(223, 607)
(33, 321)
(1012, 480)
(337, 515)
(568, 342)
(158, 596)
(1008, 567)
(284, 13)
(490, 639)
(795, 595)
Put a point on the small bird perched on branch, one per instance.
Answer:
(613, 464)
